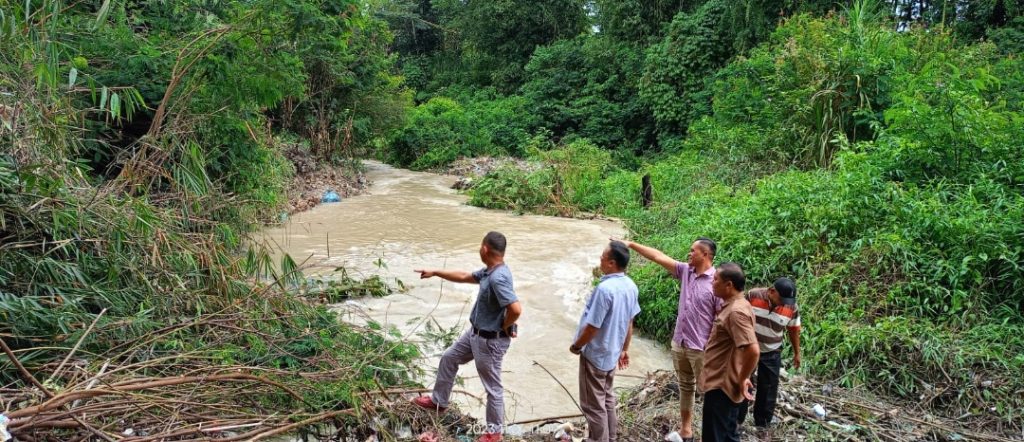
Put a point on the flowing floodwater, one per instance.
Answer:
(411, 220)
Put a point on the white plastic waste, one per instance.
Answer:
(4, 435)
(674, 437)
(564, 432)
(820, 411)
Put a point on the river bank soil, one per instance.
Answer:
(313, 178)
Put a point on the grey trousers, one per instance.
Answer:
(598, 402)
(487, 354)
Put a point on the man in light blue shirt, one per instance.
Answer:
(602, 341)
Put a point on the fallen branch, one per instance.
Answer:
(125, 387)
(60, 367)
(560, 385)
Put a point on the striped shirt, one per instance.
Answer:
(771, 320)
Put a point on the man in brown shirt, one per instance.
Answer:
(729, 358)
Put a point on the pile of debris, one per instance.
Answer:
(809, 410)
(313, 179)
(469, 170)
(806, 410)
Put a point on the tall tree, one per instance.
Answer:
(497, 37)
(638, 20)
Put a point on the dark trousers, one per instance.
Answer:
(721, 416)
(597, 400)
(766, 382)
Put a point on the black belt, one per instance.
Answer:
(487, 334)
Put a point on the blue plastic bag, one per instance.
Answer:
(330, 197)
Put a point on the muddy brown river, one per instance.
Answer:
(410, 220)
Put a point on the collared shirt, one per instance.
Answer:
(771, 320)
(495, 294)
(734, 328)
(611, 308)
(697, 307)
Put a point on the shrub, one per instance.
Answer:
(443, 130)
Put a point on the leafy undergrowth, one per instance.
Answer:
(879, 169)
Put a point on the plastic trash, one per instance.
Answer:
(564, 432)
(404, 432)
(845, 427)
(128, 432)
(330, 197)
(428, 436)
(820, 411)
(4, 435)
(674, 437)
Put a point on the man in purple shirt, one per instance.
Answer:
(695, 316)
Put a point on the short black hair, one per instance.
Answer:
(707, 242)
(496, 242)
(733, 273)
(619, 254)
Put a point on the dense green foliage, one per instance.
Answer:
(694, 47)
(587, 87)
(138, 144)
(873, 153)
(442, 130)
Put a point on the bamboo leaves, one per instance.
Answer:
(120, 103)
(115, 105)
(104, 97)
(101, 15)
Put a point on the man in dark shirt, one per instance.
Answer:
(495, 312)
